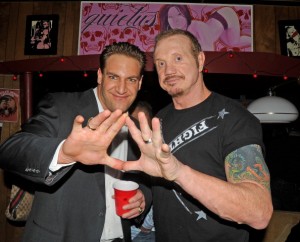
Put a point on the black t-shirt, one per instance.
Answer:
(201, 137)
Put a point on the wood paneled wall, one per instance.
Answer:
(12, 36)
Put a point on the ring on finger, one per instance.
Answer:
(88, 124)
(149, 141)
(140, 210)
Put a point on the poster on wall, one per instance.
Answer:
(289, 33)
(41, 35)
(217, 27)
(9, 105)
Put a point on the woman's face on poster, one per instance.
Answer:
(291, 31)
(176, 19)
(45, 24)
(11, 104)
(3, 104)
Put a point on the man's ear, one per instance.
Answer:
(99, 76)
(201, 60)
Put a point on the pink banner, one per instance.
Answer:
(217, 27)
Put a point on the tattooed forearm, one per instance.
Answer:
(247, 163)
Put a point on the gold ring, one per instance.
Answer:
(140, 210)
(149, 141)
(88, 124)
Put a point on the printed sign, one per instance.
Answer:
(217, 27)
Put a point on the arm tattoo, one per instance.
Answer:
(247, 164)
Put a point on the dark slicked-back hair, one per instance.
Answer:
(195, 45)
(123, 48)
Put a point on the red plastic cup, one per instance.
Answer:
(124, 190)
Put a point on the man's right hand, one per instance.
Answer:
(88, 145)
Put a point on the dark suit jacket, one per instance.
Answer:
(69, 205)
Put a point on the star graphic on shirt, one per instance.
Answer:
(201, 215)
(222, 114)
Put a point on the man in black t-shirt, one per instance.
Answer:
(205, 152)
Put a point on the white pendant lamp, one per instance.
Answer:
(273, 109)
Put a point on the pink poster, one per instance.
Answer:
(9, 105)
(217, 27)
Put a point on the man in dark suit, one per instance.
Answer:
(74, 159)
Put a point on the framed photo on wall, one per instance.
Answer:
(41, 35)
(289, 32)
(9, 105)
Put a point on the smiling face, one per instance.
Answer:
(120, 82)
(177, 68)
(176, 19)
